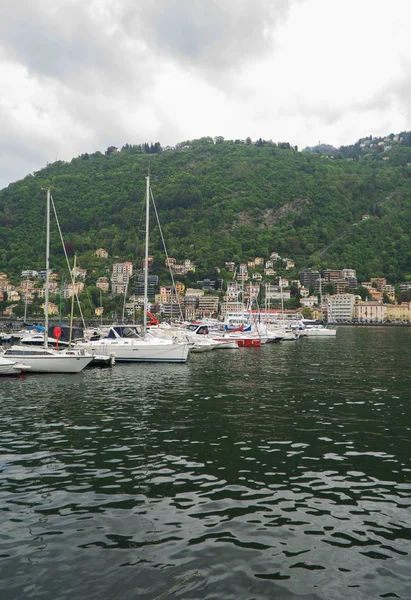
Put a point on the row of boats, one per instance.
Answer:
(36, 351)
(33, 350)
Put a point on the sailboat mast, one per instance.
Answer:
(73, 283)
(25, 299)
(146, 252)
(101, 307)
(46, 303)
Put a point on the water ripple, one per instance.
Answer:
(277, 473)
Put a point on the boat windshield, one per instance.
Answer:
(27, 352)
(123, 331)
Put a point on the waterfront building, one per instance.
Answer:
(370, 312)
(399, 313)
(341, 308)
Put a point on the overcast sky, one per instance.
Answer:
(81, 75)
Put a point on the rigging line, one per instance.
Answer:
(67, 260)
(165, 250)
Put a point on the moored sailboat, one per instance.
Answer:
(126, 343)
(45, 359)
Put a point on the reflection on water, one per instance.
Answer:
(278, 472)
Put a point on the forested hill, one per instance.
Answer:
(220, 201)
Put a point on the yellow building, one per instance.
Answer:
(399, 312)
(53, 308)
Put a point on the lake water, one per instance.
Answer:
(282, 472)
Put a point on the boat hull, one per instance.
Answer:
(318, 332)
(11, 367)
(49, 363)
(135, 351)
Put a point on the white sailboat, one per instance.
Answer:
(126, 343)
(45, 359)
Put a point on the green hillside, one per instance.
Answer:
(220, 201)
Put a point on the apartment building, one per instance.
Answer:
(340, 308)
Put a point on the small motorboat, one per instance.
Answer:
(12, 367)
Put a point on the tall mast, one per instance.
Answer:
(146, 253)
(73, 283)
(321, 298)
(46, 303)
(26, 298)
(101, 307)
(282, 299)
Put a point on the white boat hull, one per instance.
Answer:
(11, 367)
(48, 361)
(318, 332)
(139, 350)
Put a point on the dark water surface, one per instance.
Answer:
(282, 472)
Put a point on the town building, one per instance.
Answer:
(101, 253)
(124, 268)
(370, 312)
(331, 275)
(380, 282)
(208, 284)
(229, 266)
(308, 277)
(69, 290)
(341, 308)
(309, 301)
(399, 313)
(29, 273)
(103, 284)
(207, 306)
(341, 286)
(152, 287)
(347, 273)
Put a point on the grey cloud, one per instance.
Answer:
(63, 41)
(90, 46)
(18, 158)
(212, 34)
